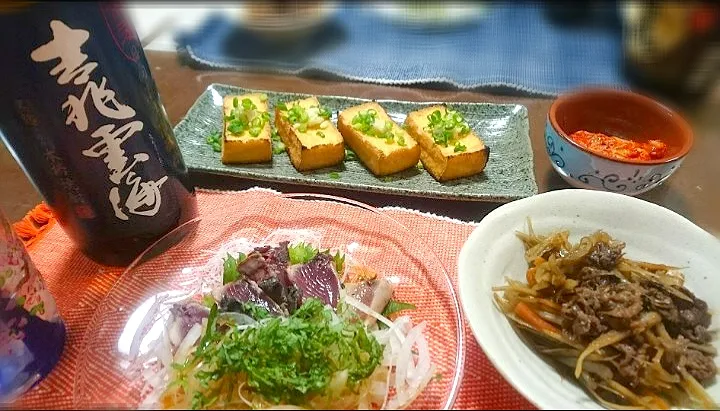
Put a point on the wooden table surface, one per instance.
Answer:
(693, 191)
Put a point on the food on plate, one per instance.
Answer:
(620, 148)
(449, 147)
(383, 146)
(246, 129)
(629, 331)
(289, 326)
(310, 138)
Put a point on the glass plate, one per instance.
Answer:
(129, 319)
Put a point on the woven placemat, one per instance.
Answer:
(79, 285)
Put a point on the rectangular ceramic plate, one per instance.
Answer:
(504, 128)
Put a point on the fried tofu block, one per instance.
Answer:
(319, 145)
(243, 147)
(446, 162)
(381, 156)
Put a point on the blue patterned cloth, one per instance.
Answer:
(513, 46)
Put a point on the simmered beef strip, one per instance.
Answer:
(595, 309)
(606, 255)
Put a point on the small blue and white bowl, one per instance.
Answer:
(619, 113)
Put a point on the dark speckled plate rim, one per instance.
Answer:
(408, 192)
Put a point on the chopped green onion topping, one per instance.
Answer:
(248, 104)
(366, 122)
(236, 127)
(350, 155)
(257, 122)
(321, 134)
(244, 117)
(263, 97)
(277, 143)
(302, 127)
(401, 140)
(459, 147)
(282, 106)
(334, 175)
(446, 128)
(214, 141)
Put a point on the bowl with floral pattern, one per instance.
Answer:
(629, 118)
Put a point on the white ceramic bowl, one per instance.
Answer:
(492, 252)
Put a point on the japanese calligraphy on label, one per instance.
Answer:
(142, 197)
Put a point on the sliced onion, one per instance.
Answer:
(175, 337)
(367, 310)
(187, 343)
(164, 349)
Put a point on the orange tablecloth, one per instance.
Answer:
(79, 285)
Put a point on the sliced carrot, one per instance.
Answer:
(525, 313)
(530, 276)
(654, 401)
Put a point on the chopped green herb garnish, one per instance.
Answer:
(438, 377)
(209, 330)
(401, 140)
(297, 114)
(395, 306)
(301, 253)
(420, 165)
(248, 104)
(459, 148)
(208, 300)
(350, 155)
(230, 271)
(281, 106)
(213, 140)
(339, 260)
(387, 179)
(277, 143)
(20, 301)
(244, 116)
(254, 311)
(321, 134)
(236, 127)
(367, 122)
(263, 97)
(334, 175)
(446, 128)
(286, 360)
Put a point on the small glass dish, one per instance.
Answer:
(108, 376)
